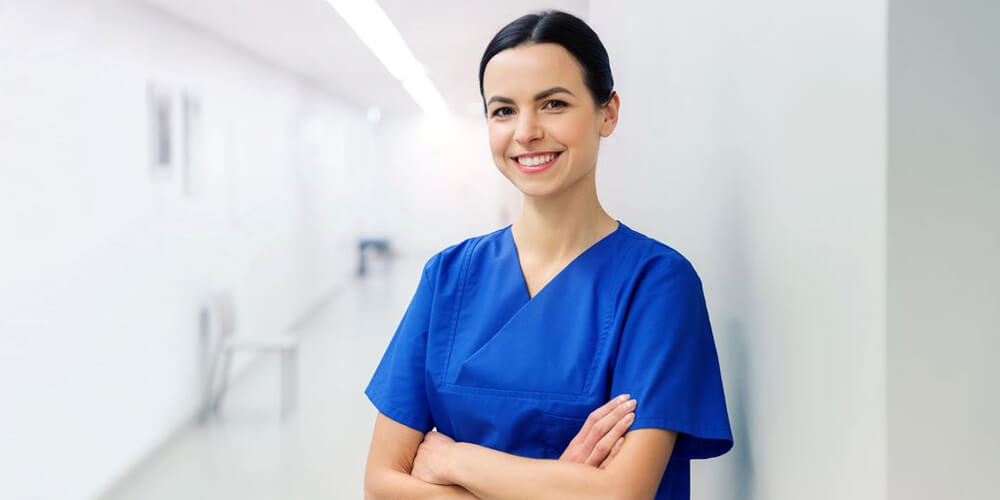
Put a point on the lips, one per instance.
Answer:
(536, 162)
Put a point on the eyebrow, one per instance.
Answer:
(539, 96)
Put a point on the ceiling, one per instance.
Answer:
(308, 37)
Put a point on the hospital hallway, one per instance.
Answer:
(189, 183)
(248, 452)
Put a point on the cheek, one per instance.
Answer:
(577, 133)
(499, 139)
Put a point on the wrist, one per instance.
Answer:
(456, 458)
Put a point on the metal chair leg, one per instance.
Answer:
(227, 359)
(208, 394)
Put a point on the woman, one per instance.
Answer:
(513, 338)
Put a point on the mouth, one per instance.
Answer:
(536, 162)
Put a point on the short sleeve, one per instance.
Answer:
(668, 362)
(397, 387)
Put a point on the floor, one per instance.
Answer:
(248, 452)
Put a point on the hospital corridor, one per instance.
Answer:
(345, 249)
(249, 451)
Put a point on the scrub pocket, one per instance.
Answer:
(559, 431)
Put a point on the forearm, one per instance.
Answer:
(392, 484)
(492, 474)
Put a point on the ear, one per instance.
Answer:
(610, 111)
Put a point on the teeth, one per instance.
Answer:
(535, 160)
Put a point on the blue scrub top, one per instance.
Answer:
(485, 363)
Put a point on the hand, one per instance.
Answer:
(602, 435)
(432, 462)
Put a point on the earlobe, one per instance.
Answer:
(608, 126)
(611, 115)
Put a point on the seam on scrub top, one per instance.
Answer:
(515, 394)
(399, 414)
(602, 336)
(683, 427)
(612, 308)
(556, 416)
(601, 340)
(466, 259)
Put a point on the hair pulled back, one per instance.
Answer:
(567, 30)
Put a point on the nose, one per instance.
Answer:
(527, 129)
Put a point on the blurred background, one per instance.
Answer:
(829, 167)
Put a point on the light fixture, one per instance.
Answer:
(376, 30)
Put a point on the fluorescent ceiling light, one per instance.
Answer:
(375, 28)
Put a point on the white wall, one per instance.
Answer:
(439, 185)
(944, 240)
(103, 268)
(752, 139)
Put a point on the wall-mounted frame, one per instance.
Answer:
(161, 131)
(192, 133)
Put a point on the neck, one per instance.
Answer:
(558, 227)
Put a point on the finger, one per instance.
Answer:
(616, 448)
(598, 423)
(614, 452)
(603, 447)
(596, 415)
(602, 427)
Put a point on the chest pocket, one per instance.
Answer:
(547, 350)
(558, 431)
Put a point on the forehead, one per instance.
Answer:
(526, 69)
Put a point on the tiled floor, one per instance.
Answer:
(318, 452)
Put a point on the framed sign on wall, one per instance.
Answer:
(161, 131)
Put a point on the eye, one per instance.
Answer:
(496, 112)
(561, 104)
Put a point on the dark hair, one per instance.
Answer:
(567, 30)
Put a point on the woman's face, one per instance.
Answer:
(538, 107)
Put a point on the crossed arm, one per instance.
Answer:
(405, 463)
(390, 461)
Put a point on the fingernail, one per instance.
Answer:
(630, 416)
(623, 397)
(630, 404)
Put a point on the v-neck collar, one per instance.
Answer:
(520, 270)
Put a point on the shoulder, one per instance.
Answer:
(647, 259)
(448, 264)
(658, 281)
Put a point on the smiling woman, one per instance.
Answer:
(543, 106)
(516, 340)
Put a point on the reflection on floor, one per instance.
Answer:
(318, 452)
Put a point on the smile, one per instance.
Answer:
(534, 163)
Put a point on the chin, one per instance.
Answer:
(539, 191)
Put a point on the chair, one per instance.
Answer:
(221, 308)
